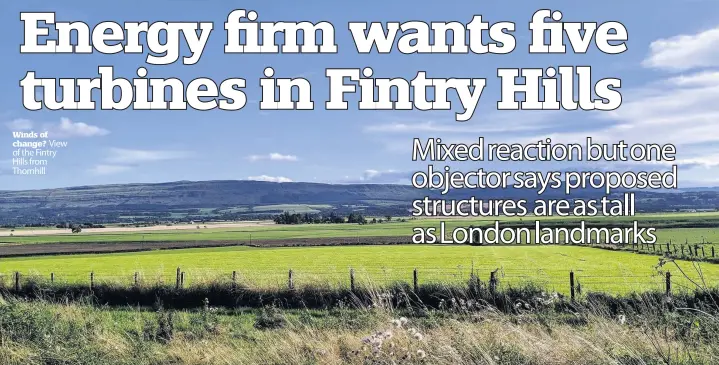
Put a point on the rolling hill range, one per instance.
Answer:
(187, 200)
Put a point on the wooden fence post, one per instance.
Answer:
(668, 284)
(571, 283)
(17, 281)
(703, 253)
(52, 277)
(668, 251)
(415, 280)
(136, 278)
(177, 279)
(234, 279)
(182, 280)
(352, 280)
(493, 282)
(290, 281)
(712, 251)
(92, 280)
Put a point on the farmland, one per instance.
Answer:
(597, 270)
(270, 291)
(675, 227)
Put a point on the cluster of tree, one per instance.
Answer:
(82, 225)
(306, 218)
(356, 218)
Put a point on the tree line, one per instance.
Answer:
(306, 218)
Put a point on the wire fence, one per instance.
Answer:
(561, 281)
(685, 250)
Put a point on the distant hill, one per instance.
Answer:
(192, 200)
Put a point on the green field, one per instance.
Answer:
(549, 266)
(395, 228)
(595, 269)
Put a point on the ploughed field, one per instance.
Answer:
(549, 266)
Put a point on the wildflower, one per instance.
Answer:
(397, 323)
(418, 336)
(622, 319)
(403, 321)
(412, 331)
(421, 354)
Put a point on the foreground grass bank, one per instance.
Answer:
(603, 330)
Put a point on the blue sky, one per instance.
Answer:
(670, 85)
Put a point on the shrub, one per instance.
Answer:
(269, 318)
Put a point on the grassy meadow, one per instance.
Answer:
(615, 272)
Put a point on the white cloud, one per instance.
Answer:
(678, 110)
(272, 157)
(129, 156)
(19, 125)
(67, 128)
(372, 176)
(109, 169)
(706, 78)
(684, 52)
(277, 179)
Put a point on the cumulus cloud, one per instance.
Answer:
(109, 169)
(67, 129)
(272, 157)
(130, 156)
(19, 125)
(684, 52)
(277, 179)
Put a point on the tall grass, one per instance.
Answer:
(600, 330)
(472, 323)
